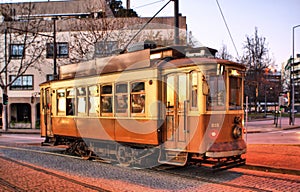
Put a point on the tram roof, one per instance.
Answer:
(138, 60)
(194, 61)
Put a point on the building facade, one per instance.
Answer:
(81, 30)
(296, 81)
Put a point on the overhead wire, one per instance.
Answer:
(148, 4)
(144, 26)
(227, 28)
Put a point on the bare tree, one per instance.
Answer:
(223, 53)
(256, 58)
(23, 47)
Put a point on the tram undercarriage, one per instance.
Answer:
(141, 156)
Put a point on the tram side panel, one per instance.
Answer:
(96, 128)
(141, 127)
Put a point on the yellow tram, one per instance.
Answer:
(153, 105)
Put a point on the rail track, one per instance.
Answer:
(13, 187)
(222, 180)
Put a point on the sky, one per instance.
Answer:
(274, 20)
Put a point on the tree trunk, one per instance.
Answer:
(4, 111)
(4, 118)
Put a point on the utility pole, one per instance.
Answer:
(54, 50)
(176, 22)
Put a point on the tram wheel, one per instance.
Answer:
(125, 155)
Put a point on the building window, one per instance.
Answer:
(50, 77)
(105, 48)
(17, 51)
(24, 82)
(20, 112)
(62, 50)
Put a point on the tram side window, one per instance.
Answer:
(235, 93)
(121, 98)
(217, 95)
(106, 99)
(138, 97)
(70, 101)
(61, 101)
(93, 100)
(81, 100)
(194, 90)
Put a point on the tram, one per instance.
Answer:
(167, 105)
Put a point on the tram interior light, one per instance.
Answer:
(234, 72)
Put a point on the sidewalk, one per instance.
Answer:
(267, 125)
(20, 131)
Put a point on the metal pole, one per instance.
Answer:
(265, 112)
(246, 120)
(176, 22)
(54, 50)
(292, 80)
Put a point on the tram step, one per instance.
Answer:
(173, 157)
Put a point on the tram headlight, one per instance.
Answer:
(213, 134)
(237, 132)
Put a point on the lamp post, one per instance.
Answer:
(292, 113)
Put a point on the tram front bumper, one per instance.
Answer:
(227, 149)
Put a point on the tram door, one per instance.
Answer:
(47, 113)
(176, 111)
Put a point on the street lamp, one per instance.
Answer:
(292, 113)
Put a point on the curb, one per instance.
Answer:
(271, 169)
(19, 132)
(275, 129)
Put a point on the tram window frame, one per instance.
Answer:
(216, 99)
(81, 101)
(194, 90)
(138, 98)
(121, 99)
(235, 88)
(93, 100)
(106, 94)
(61, 102)
(70, 102)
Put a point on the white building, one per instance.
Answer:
(84, 30)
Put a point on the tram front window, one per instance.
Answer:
(217, 93)
(235, 91)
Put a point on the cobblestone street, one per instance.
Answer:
(40, 172)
